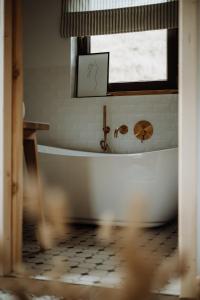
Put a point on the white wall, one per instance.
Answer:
(77, 123)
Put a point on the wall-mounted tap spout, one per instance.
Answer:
(123, 129)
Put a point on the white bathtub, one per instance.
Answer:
(97, 183)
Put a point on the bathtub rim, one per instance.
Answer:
(118, 223)
(43, 149)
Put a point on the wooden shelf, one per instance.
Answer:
(35, 126)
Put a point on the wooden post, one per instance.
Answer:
(7, 136)
(17, 135)
(4, 214)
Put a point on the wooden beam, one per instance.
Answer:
(7, 135)
(1, 120)
(17, 134)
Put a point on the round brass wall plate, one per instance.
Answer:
(123, 129)
(143, 130)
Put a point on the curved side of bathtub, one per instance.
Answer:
(97, 183)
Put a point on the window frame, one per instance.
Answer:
(147, 87)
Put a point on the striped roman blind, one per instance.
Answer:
(97, 17)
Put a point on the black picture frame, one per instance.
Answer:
(78, 73)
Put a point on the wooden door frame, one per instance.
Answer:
(5, 166)
(188, 137)
(17, 132)
(8, 134)
(11, 137)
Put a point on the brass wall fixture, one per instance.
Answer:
(143, 130)
(123, 129)
(106, 129)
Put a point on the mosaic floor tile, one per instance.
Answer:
(89, 262)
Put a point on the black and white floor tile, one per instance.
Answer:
(86, 260)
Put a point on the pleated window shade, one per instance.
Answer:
(97, 17)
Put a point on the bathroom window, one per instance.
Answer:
(139, 61)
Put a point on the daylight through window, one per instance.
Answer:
(134, 57)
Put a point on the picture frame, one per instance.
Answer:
(92, 77)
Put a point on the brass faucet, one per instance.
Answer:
(106, 130)
(123, 129)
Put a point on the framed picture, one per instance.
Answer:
(93, 70)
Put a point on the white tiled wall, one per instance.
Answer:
(77, 123)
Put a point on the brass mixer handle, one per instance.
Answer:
(141, 132)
